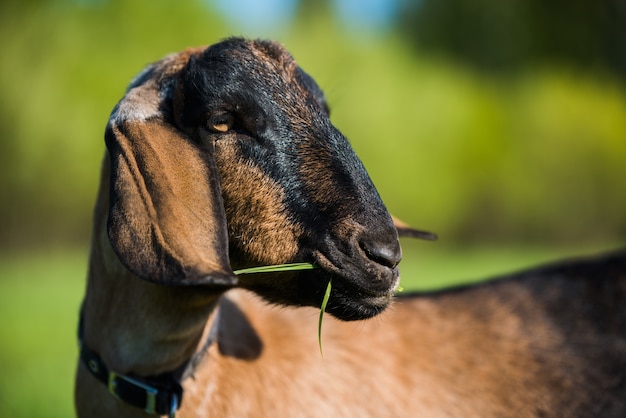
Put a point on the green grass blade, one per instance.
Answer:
(276, 268)
(294, 267)
(322, 310)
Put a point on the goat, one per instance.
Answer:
(224, 157)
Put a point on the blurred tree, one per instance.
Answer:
(503, 36)
(540, 157)
(311, 12)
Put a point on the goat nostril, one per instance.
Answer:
(386, 254)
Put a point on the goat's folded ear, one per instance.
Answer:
(407, 231)
(166, 217)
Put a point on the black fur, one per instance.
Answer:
(282, 123)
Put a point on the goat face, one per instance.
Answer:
(292, 188)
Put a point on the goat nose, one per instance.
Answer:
(387, 254)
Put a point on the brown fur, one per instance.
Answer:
(257, 198)
(174, 199)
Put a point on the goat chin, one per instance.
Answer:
(226, 155)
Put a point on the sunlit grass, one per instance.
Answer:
(39, 302)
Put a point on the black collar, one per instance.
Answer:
(157, 395)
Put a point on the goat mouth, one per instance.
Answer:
(344, 305)
(350, 298)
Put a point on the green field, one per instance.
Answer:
(40, 297)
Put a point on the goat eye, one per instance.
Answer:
(222, 122)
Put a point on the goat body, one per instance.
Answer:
(543, 343)
(225, 156)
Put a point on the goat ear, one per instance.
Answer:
(404, 230)
(166, 217)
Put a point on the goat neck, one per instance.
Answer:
(150, 339)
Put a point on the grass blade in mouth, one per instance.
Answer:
(322, 310)
(294, 267)
(276, 268)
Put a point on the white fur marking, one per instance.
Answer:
(140, 103)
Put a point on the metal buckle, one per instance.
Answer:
(173, 406)
(151, 393)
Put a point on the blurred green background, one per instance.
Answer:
(499, 125)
